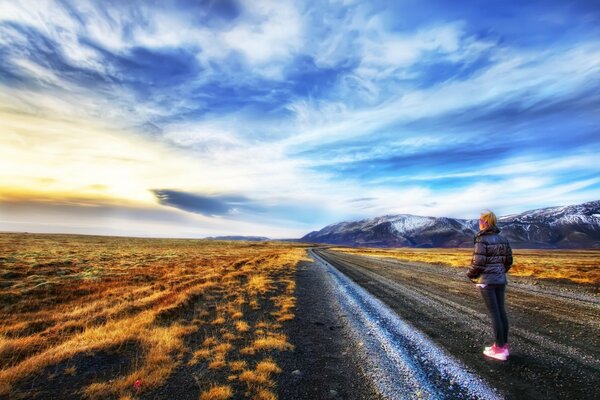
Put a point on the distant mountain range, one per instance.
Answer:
(576, 226)
(248, 238)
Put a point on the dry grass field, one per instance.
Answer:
(103, 317)
(580, 266)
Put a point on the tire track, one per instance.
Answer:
(453, 310)
(553, 333)
(402, 362)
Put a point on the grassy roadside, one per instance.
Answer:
(579, 266)
(72, 305)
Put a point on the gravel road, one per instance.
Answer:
(323, 364)
(554, 336)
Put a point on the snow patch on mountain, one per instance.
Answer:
(409, 223)
(575, 226)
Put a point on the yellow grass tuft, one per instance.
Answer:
(95, 390)
(217, 363)
(272, 342)
(237, 315)
(268, 366)
(222, 392)
(223, 348)
(285, 317)
(258, 284)
(253, 378)
(264, 394)
(248, 351)
(259, 379)
(202, 353)
(210, 341)
(230, 336)
(237, 365)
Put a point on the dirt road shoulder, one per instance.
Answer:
(323, 364)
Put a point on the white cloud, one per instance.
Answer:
(43, 75)
(537, 168)
(514, 76)
(505, 196)
(208, 137)
(382, 49)
(268, 36)
(228, 152)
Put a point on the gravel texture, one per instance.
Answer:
(554, 327)
(403, 363)
(324, 364)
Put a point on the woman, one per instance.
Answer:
(492, 258)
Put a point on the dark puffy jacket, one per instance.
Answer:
(492, 257)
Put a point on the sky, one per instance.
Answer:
(275, 118)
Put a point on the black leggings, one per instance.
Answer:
(493, 295)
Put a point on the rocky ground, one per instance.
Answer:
(323, 364)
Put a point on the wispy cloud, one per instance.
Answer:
(288, 115)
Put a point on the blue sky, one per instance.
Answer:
(275, 118)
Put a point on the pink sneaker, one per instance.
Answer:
(506, 349)
(495, 352)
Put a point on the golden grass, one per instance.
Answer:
(242, 326)
(258, 284)
(264, 394)
(200, 354)
(260, 379)
(270, 341)
(237, 365)
(210, 341)
(580, 266)
(217, 362)
(221, 392)
(254, 378)
(285, 304)
(267, 367)
(65, 295)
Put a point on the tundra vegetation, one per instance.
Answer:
(579, 266)
(108, 317)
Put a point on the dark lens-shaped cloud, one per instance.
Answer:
(216, 205)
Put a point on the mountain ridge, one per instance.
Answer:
(239, 237)
(571, 226)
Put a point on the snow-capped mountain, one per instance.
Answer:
(575, 226)
(555, 227)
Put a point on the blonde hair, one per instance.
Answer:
(489, 218)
